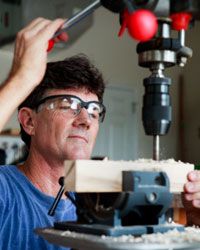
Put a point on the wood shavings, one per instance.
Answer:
(168, 161)
(190, 235)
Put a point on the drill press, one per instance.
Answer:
(157, 54)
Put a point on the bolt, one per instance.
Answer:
(182, 61)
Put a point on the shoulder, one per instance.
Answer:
(7, 173)
(9, 182)
(7, 190)
(4, 185)
(4, 174)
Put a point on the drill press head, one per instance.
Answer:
(160, 52)
(157, 54)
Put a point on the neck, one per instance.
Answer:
(42, 174)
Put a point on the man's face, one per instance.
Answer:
(60, 136)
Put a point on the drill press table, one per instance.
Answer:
(188, 240)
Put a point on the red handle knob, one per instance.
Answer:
(180, 21)
(141, 24)
(50, 45)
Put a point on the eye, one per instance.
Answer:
(94, 111)
(63, 104)
(75, 104)
(94, 116)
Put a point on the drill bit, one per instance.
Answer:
(156, 147)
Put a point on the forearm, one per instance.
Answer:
(12, 92)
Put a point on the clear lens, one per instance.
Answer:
(61, 104)
(94, 110)
(74, 104)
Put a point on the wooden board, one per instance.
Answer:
(106, 176)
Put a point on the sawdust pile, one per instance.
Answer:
(190, 235)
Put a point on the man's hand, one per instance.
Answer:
(192, 188)
(30, 55)
(29, 64)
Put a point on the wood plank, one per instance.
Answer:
(106, 176)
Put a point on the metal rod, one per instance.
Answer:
(181, 35)
(156, 147)
(51, 211)
(78, 17)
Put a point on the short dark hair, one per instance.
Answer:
(75, 72)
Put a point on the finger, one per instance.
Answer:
(35, 26)
(30, 32)
(192, 187)
(31, 24)
(190, 197)
(189, 187)
(63, 36)
(196, 203)
(48, 31)
(38, 26)
(194, 176)
(19, 46)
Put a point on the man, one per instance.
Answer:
(59, 120)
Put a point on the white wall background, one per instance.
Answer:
(117, 59)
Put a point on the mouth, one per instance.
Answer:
(78, 137)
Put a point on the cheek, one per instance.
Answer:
(60, 126)
(93, 134)
(48, 125)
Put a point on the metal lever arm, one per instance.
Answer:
(51, 211)
(73, 20)
(78, 17)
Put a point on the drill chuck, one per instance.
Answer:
(157, 110)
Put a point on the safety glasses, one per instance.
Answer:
(73, 105)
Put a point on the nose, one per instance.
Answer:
(82, 119)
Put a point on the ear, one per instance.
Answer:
(26, 119)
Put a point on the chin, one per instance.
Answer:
(78, 156)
